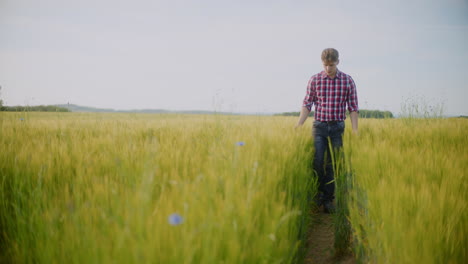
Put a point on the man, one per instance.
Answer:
(330, 91)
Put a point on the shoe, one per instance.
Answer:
(329, 208)
(318, 200)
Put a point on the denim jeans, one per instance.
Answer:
(323, 167)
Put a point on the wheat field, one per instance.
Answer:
(168, 188)
(410, 190)
(138, 188)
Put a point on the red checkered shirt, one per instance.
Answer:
(330, 96)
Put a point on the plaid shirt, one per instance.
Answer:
(330, 96)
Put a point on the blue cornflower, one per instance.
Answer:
(175, 219)
(21, 119)
(240, 143)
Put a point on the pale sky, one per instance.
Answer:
(240, 56)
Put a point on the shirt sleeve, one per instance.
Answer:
(310, 97)
(352, 96)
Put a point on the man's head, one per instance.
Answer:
(330, 59)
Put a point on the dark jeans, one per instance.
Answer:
(323, 167)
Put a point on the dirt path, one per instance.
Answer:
(320, 241)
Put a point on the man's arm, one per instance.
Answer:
(353, 105)
(302, 118)
(307, 103)
(354, 121)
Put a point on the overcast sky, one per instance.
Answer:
(241, 56)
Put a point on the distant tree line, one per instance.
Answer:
(362, 114)
(375, 114)
(38, 108)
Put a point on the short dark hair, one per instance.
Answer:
(330, 54)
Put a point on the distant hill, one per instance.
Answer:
(78, 108)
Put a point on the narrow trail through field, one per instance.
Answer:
(320, 241)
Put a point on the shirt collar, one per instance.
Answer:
(338, 74)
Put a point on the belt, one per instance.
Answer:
(331, 122)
